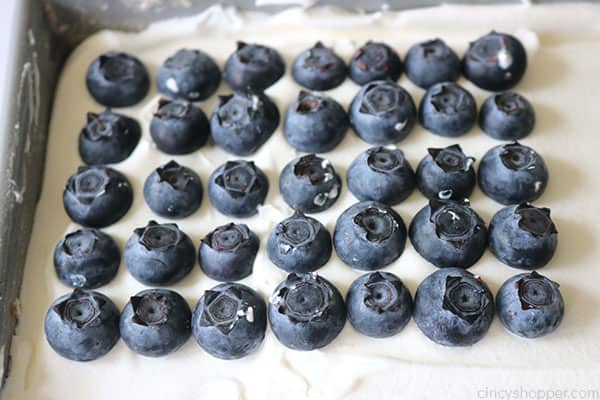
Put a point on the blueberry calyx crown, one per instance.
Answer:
(238, 178)
(449, 99)
(254, 54)
(464, 299)
(175, 175)
(238, 110)
(115, 66)
(149, 309)
(535, 220)
(380, 98)
(382, 294)
(372, 57)
(81, 309)
(382, 159)
(315, 168)
(80, 242)
(320, 58)
(309, 103)
(89, 183)
(296, 232)
(435, 50)
(182, 59)
(378, 224)
(156, 236)
(509, 102)
(304, 298)
(176, 109)
(491, 49)
(535, 291)
(102, 126)
(454, 222)
(224, 309)
(451, 158)
(516, 157)
(227, 237)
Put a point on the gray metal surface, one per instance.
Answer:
(47, 30)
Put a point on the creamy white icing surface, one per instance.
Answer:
(563, 44)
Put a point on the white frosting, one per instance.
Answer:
(562, 82)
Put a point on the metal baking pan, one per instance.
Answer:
(46, 31)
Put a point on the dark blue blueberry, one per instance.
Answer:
(117, 79)
(453, 307)
(507, 116)
(310, 184)
(253, 68)
(448, 234)
(379, 305)
(108, 138)
(97, 196)
(179, 127)
(381, 174)
(382, 113)
(369, 236)
(242, 123)
(447, 109)
(431, 62)
(306, 312)
(446, 173)
(173, 191)
(319, 68)
(299, 244)
(159, 254)
(523, 236)
(188, 74)
(496, 61)
(530, 305)
(82, 326)
(315, 123)
(237, 188)
(229, 321)
(228, 252)
(513, 174)
(87, 259)
(156, 322)
(375, 61)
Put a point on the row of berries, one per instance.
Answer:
(452, 307)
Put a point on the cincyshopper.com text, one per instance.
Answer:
(525, 393)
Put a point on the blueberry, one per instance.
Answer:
(315, 123)
(447, 109)
(179, 127)
(523, 236)
(230, 321)
(381, 174)
(448, 234)
(228, 252)
(530, 305)
(319, 68)
(173, 191)
(108, 138)
(379, 305)
(237, 188)
(82, 326)
(97, 196)
(382, 113)
(156, 322)
(496, 61)
(117, 79)
(253, 68)
(159, 254)
(507, 116)
(446, 173)
(299, 244)
(242, 123)
(310, 184)
(87, 259)
(306, 312)
(375, 61)
(188, 74)
(453, 307)
(431, 62)
(369, 236)
(512, 174)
